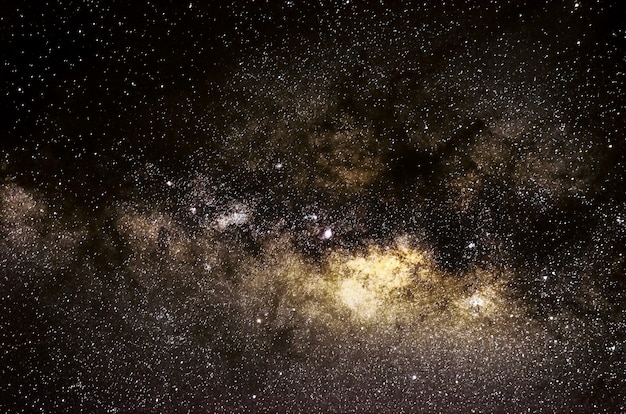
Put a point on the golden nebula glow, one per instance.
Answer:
(380, 286)
(366, 282)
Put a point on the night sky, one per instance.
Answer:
(300, 207)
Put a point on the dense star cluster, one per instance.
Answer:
(313, 207)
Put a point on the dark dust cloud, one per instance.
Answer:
(301, 207)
